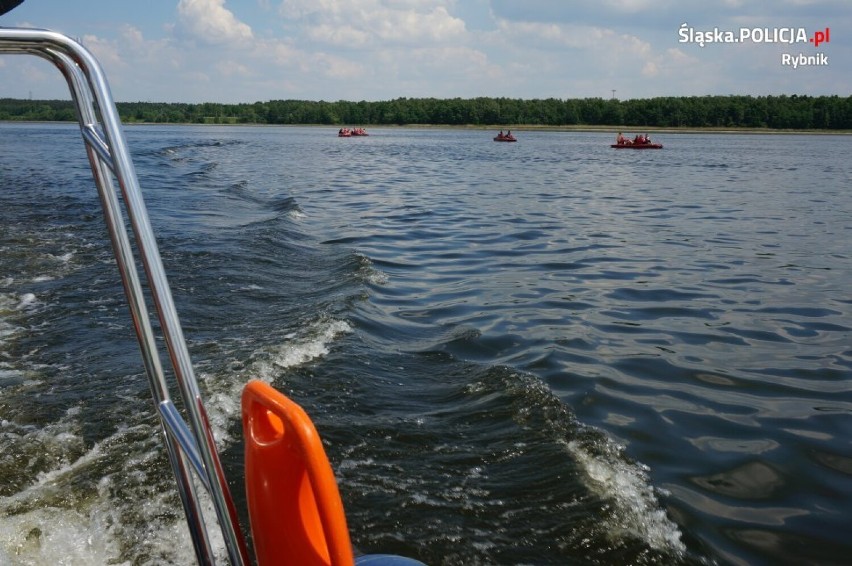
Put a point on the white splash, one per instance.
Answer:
(56, 536)
(301, 349)
(223, 397)
(27, 300)
(39, 526)
(637, 509)
(369, 272)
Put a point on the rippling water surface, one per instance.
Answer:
(545, 352)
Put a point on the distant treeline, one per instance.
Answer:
(774, 112)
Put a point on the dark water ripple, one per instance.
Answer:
(680, 301)
(546, 352)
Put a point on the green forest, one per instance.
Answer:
(770, 112)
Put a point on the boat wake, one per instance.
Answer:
(81, 502)
(636, 510)
(269, 363)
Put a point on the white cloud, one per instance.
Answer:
(550, 36)
(343, 22)
(633, 6)
(132, 35)
(106, 51)
(282, 52)
(337, 67)
(410, 25)
(210, 21)
(382, 49)
(339, 35)
(230, 69)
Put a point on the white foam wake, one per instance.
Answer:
(298, 348)
(48, 523)
(637, 510)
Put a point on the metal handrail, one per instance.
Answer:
(190, 447)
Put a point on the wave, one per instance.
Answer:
(489, 456)
(368, 272)
(83, 502)
(260, 208)
(181, 150)
(270, 364)
(301, 349)
(631, 508)
(636, 508)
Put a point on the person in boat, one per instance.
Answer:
(647, 139)
(621, 140)
(508, 134)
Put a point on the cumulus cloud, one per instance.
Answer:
(229, 68)
(633, 6)
(339, 35)
(210, 21)
(105, 50)
(380, 49)
(337, 67)
(436, 25)
(343, 22)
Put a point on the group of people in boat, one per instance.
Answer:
(640, 139)
(505, 137)
(346, 132)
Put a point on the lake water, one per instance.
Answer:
(545, 352)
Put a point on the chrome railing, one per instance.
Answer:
(190, 446)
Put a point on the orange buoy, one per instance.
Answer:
(295, 509)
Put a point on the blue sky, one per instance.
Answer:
(257, 50)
